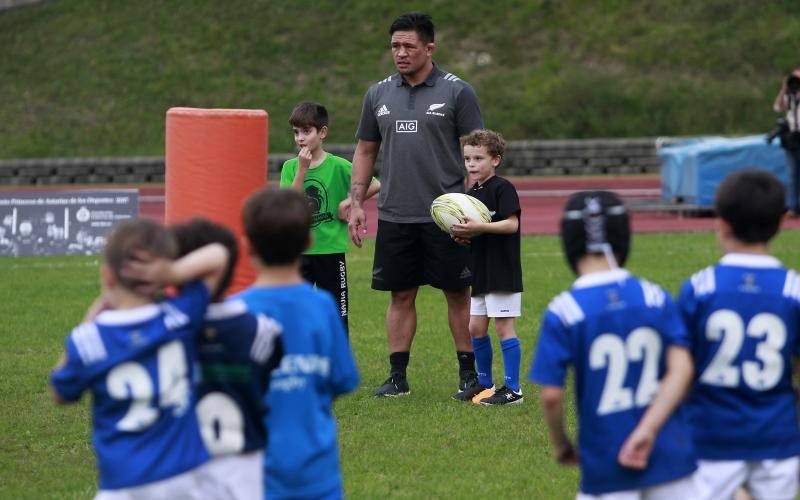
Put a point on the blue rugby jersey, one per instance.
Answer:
(614, 330)
(302, 456)
(237, 352)
(743, 314)
(139, 365)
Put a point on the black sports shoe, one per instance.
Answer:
(468, 387)
(395, 385)
(503, 396)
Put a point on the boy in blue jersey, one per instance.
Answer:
(629, 350)
(301, 459)
(237, 351)
(744, 314)
(137, 359)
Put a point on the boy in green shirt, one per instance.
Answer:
(325, 180)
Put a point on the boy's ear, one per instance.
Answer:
(724, 228)
(323, 132)
(247, 248)
(724, 233)
(309, 241)
(496, 161)
(107, 278)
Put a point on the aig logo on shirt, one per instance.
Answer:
(406, 126)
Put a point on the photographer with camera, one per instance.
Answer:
(788, 101)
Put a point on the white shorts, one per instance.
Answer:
(773, 479)
(195, 484)
(241, 477)
(496, 305)
(681, 489)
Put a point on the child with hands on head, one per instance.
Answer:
(136, 355)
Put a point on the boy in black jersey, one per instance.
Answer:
(496, 265)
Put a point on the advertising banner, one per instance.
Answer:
(62, 222)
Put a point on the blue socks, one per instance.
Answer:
(482, 346)
(512, 355)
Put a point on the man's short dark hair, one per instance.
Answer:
(131, 236)
(753, 203)
(199, 232)
(592, 222)
(277, 223)
(309, 114)
(414, 21)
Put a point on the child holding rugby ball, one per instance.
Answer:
(496, 265)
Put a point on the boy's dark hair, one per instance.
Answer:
(309, 114)
(197, 233)
(131, 236)
(415, 21)
(277, 223)
(593, 223)
(493, 142)
(753, 203)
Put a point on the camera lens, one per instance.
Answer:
(793, 83)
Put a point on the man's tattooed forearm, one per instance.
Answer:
(357, 191)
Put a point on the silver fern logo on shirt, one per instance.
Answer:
(433, 107)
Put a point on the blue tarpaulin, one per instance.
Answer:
(691, 170)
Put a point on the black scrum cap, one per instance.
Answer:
(595, 222)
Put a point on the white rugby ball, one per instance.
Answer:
(451, 208)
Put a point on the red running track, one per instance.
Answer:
(541, 199)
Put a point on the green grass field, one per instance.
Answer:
(422, 446)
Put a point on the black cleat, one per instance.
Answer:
(503, 396)
(395, 385)
(468, 387)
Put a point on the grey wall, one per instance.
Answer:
(523, 158)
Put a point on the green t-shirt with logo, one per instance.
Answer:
(325, 187)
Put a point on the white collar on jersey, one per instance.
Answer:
(224, 310)
(601, 278)
(749, 260)
(127, 316)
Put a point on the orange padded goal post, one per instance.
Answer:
(215, 158)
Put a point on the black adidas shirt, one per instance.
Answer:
(496, 263)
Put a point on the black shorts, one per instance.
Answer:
(328, 272)
(411, 255)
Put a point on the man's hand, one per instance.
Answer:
(635, 451)
(464, 242)
(357, 225)
(344, 210)
(304, 158)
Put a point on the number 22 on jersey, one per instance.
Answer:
(610, 351)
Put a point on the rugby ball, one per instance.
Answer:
(452, 208)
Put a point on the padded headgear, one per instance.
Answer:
(595, 222)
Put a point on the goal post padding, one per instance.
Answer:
(215, 158)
